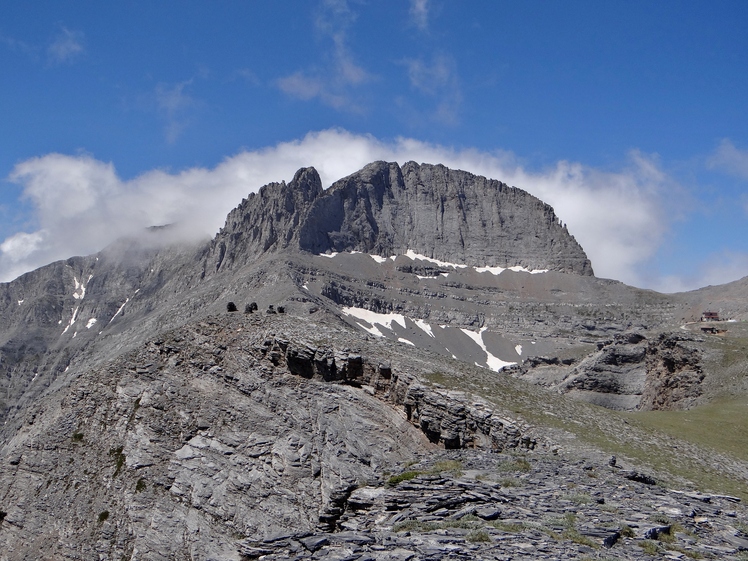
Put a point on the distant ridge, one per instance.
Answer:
(386, 209)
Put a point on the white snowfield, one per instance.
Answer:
(371, 321)
(494, 362)
(373, 318)
(417, 256)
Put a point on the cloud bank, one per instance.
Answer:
(81, 204)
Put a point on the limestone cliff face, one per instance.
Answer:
(386, 209)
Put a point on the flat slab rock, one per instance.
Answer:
(476, 505)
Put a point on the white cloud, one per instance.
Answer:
(66, 46)
(438, 80)
(172, 102)
(419, 13)
(430, 78)
(731, 159)
(82, 204)
(334, 82)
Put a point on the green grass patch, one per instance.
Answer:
(508, 527)
(515, 464)
(650, 547)
(578, 498)
(511, 482)
(452, 466)
(721, 425)
(404, 476)
(661, 441)
(627, 531)
(576, 537)
(478, 536)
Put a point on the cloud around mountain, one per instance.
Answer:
(81, 204)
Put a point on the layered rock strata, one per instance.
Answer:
(385, 209)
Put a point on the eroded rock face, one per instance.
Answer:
(674, 373)
(630, 372)
(446, 418)
(233, 427)
(387, 210)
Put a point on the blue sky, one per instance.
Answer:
(630, 118)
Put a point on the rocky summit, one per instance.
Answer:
(414, 363)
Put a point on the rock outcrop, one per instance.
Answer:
(629, 372)
(386, 210)
(142, 418)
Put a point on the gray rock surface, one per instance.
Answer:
(169, 428)
(628, 373)
(387, 210)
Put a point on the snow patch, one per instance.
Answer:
(374, 319)
(516, 269)
(493, 362)
(425, 327)
(72, 321)
(492, 270)
(401, 340)
(91, 323)
(80, 289)
(304, 286)
(413, 255)
(518, 348)
(119, 311)
(20, 302)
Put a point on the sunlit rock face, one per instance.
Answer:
(362, 377)
(385, 209)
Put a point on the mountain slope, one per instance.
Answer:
(169, 427)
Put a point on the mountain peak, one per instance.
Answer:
(388, 209)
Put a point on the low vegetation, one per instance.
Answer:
(682, 447)
(452, 466)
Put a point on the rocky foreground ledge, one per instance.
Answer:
(258, 436)
(468, 504)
